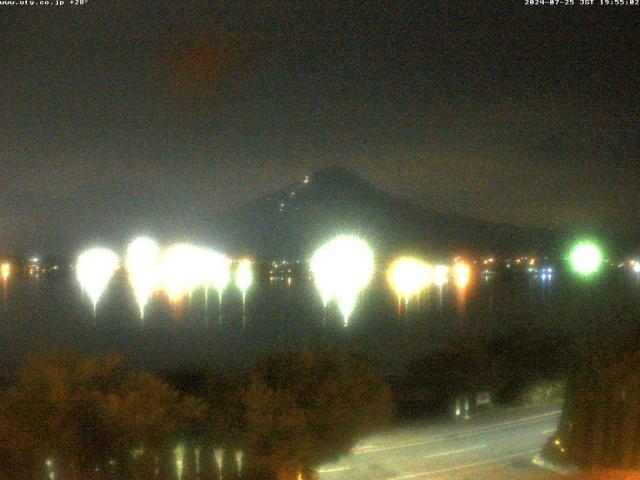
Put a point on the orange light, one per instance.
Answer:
(461, 274)
(6, 271)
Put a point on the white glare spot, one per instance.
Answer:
(94, 270)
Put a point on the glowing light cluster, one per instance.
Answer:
(440, 275)
(323, 272)
(408, 276)
(5, 269)
(94, 270)
(181, 270)
(142, 263)
(461, 274)
(216, 270)
(185, 268)
(585, 258)
(342, 268)
(244, 276)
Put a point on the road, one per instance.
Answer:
(448, 449)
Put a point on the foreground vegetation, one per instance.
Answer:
(600, 424)
(92, 418)
(518, 369)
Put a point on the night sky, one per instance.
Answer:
(128, 117)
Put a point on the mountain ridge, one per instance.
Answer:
(292, 221)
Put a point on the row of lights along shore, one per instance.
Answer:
(341, 268)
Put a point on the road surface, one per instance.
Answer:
(448, 450)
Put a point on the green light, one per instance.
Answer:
(585, 258)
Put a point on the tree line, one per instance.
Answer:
(70, 416)
(599, 429)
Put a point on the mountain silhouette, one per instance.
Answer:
(293, 221)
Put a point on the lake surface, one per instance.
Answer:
(48, 314)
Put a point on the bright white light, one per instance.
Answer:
(342, 268)
(440, 275)
(322, 270)
(142, 264)
(244, 275)
(635, 266)
(409, 276)
(216, 270)
(181, 270)
(6, 271)
(461, 274)
(586, 258)
(94, 270)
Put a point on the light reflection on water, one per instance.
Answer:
(51, 314)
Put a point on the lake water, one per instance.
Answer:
(51, 314)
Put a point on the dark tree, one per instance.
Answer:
(449, 371)
(600, 423)
(89, 418)
(301, 410)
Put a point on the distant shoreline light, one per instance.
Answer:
(342, 268)
(409, 276)
(94, 270)
(586, 258)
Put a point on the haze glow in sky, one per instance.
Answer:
(122, 118)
